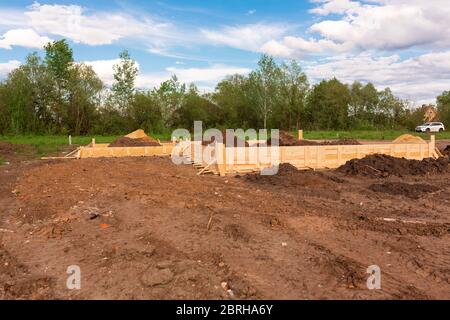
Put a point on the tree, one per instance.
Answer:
(443, 105)
(171, 95)
(294, 88)
(327, 106)
(390, 111)
(265, 82)
(196, 108)
(84, 96)
(125, 73)
(58, 61)
(363, 105)
(145, 112)
(233, 98)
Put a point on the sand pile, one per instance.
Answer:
(137, 138)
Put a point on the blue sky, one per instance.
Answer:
(403, 44)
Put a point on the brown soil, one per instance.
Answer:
(144, 228)
(384, 166)
(129, 142)
(286, 139)
(446, 151)
(15, 152)
(413, 191)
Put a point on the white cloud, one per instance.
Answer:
(420, 78)
(203, 77)
(7, 67)
(211, 74)
(373, 25)
(247, 37)
(23, 37)
(335, 6)
(296, 47)
(104, 69)
(73, 22)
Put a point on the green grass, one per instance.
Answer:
(45, 145)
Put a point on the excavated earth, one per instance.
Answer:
(129, 142)
(287, 140)
(144, 228)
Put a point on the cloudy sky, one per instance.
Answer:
(403, 44)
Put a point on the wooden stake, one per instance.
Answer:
(300, 134)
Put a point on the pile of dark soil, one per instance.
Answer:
(446, 151)
(413, 191)
(128, 142)
(341, 142)
(383, 166)
(288, 140)
(237, 141)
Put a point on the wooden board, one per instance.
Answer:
(106, 152)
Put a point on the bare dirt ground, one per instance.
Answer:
(144, 228)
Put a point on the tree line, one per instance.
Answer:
(55, 95)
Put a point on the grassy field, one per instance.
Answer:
(45, 145)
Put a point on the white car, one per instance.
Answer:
(431, 127)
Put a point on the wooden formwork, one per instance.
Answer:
(103, 151)
(237, 160)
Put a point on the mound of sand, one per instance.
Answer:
(383, 166)
(137, 138)
(408, 138)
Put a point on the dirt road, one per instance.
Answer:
(144, 228)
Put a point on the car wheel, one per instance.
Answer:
(441, 130)
(428, 130)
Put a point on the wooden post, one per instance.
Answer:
(300, 134)
(221, 158)
(432, 145)
(70, 140)
(93, 142)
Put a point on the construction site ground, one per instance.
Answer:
(144, 228)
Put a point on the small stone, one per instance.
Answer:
(221, 264)
(284, 244)
(225, 286)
